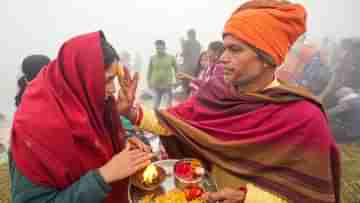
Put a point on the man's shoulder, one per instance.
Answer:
(303, 109)
(300, 115)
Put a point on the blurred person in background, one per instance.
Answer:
(30, 67)
(214, 68)
(191, 49)
(346, 70)
(161, 72)
(346, 114)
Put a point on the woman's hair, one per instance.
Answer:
(199, 68)
(217, 46)
(30, 67)
(21, 83)
(109, 53)
(110, 56)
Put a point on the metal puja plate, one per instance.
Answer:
(135, 194)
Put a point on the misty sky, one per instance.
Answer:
(40, 26)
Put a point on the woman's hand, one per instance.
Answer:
(226, 195)
(127, 92)
(137, 143)
(125, 164)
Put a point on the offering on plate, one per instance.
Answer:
(185, 181)
(193, 193)
(174, 196)
(150, 175)
(150, 178)
(188, 173)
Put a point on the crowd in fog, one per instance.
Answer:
(330, 69)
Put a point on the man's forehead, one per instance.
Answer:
(230, 41)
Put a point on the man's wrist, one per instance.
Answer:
(129, 112)
(244, 190)
(135, 114)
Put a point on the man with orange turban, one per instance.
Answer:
(264, 140)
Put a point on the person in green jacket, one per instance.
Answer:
(162, 70)
(67, 142)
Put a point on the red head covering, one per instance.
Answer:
(59, 131)
(268, 25)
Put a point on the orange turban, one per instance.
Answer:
(269, 25)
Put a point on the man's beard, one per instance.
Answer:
(243, 82)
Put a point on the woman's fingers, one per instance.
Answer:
(127, 77)
(121, 94)
(127, 146)
(145, 147)
(124, 81)
(139, 144)
(143, 158)
(136, 151)
(142, 165)
(121, 78)
(135, 77)
(140, 154)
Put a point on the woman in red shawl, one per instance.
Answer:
(67, 143)
(264, 140)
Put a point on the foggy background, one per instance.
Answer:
(40, 27)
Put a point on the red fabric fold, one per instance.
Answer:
(276, 134)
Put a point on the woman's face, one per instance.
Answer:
(110, 74)
(204, 61)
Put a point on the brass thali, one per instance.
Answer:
(135, 194)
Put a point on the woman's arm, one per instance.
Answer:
(90, 188)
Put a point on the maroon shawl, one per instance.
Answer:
(59, 131)
(277, 139)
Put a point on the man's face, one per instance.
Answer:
(110, 75)
(160, 49)
(241, 64)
